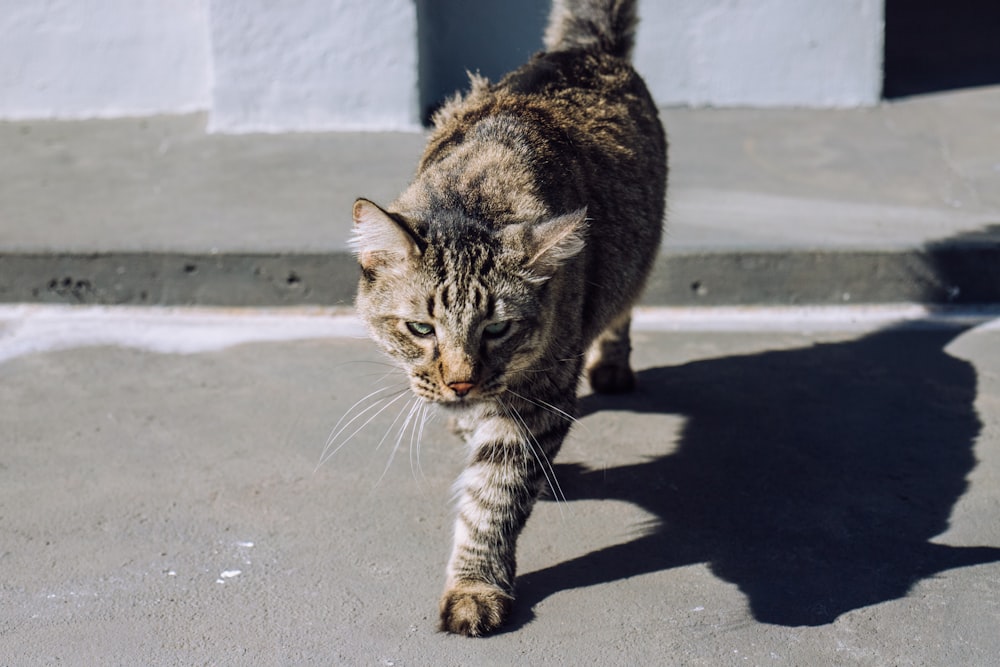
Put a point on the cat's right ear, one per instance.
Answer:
(379, 239)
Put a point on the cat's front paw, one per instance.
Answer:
(474, 608)
(611, 379)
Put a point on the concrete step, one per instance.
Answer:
(899, 203)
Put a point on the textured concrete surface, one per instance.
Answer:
(896, 203)
(811, 489)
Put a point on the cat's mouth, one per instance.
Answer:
(461, 401)
(460, 395)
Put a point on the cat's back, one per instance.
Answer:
(571, 119)
(580, 92)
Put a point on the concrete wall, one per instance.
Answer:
(262, 65)
(94, 58)
(314, 64)
(814, 53)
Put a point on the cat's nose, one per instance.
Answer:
(461, 388)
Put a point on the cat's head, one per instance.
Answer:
(460, 306)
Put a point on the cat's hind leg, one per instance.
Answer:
(608, 368)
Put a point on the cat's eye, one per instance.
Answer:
(496, 329)
(421, 329)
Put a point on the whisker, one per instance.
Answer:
(550, 367)
(327, 456)
(428, 413)
(399, 437)
(334, 432)
(425, 413)
(402, 410)
(380, 375)
(392, 368)
(539, 455)
(547, 406)
(416, 434)
(535, 448)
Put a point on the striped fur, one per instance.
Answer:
(523, 241)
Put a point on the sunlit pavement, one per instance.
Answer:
(788, 486)
(808, 474)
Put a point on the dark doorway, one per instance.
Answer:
(933, 46)
(491, 37)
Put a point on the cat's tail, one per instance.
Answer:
(608, 25)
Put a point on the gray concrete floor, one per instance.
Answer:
(787, 487)
(896, 176)
(776, 206)
(800, 491)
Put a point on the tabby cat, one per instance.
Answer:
(524, 240)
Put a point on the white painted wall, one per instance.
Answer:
(812, 53)
(102, 58)
(314, 64)
(269, 65)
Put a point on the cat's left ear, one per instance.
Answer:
(379, 239)
(551, 243)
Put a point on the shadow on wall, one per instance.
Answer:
(965, 269)
(814, 479)
(487, 36)
(933, 46)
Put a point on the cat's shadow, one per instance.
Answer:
(814, 479)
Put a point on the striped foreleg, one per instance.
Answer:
(512, 451)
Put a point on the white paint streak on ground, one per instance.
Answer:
(810, 319)
(33, 329)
